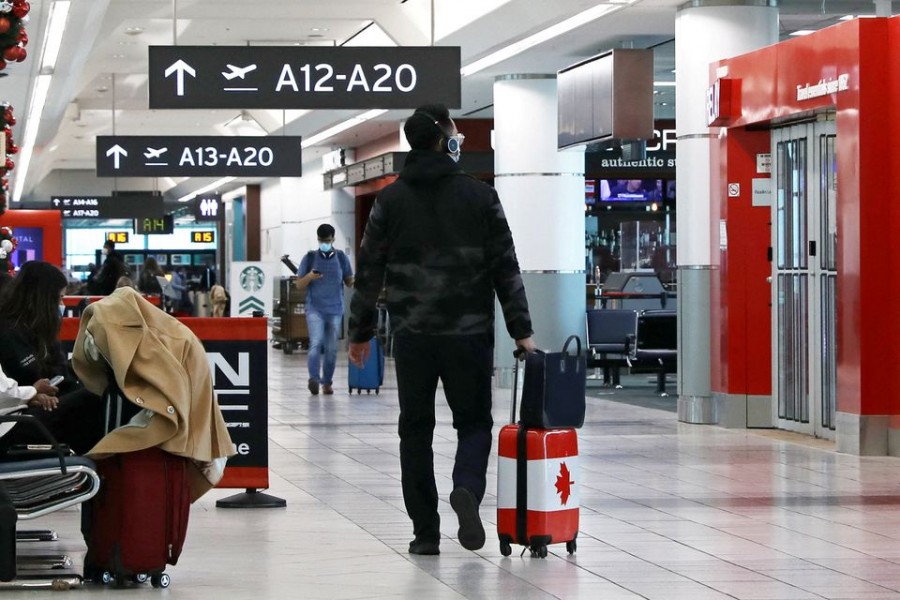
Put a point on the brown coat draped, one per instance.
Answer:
(160, 366)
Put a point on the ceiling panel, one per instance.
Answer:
(100, 84)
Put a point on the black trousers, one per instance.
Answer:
(77, 421)
(464, 364)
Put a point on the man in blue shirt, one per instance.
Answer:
(323, 273)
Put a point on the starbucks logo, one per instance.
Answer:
(252, 279)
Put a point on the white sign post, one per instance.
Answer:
(251, 288)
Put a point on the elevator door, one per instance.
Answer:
(804, 277)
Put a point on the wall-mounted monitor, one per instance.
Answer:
(30, 245)
(605, 100)
(631, 190)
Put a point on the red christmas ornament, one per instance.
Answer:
(9, 118)
(23, 53)
(11, 53)
(4, 25)
(20, 10)
(2, 64)
(10, 165)
(22, 36)
(12, 149)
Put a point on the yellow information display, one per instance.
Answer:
(117, 237)
(203, 237)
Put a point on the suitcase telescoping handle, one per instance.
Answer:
(517, 353)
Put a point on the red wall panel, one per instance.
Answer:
(864, 55)
(49, 220)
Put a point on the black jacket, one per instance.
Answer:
(19, 359)
(104, 282)
(438, 240)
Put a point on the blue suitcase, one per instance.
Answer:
(371, 376)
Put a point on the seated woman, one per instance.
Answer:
(30, 318)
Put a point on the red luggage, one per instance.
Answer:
(137, 523)
(537, 486)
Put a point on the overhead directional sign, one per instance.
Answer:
(208, 207)
(109, 207)
(302, 77)
(197, 156)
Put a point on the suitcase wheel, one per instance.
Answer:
(139, 578)
(505, 548)
(571, 547)
(160, 581)
(106, 577)
(539, 551)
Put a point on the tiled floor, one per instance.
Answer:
(669, 511)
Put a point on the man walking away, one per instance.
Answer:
(323, 273)
(438, 240)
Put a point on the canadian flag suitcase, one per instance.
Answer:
(537, 487)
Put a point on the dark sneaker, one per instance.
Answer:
(471, 531)
(327, 389)
(313, 387)
(424, 547)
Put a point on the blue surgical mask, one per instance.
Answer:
(325, 247)
(62, 310)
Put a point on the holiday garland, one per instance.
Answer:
(13, 37)
(7, 245)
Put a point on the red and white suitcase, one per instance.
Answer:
(537, 486)
(137, 523)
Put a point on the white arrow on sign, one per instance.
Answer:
(56, 202)
(180, 67)
(117, 152)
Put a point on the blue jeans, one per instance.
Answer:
(323, 335)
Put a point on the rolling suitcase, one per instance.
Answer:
(537, 486)
(137, 522)
(371, 376)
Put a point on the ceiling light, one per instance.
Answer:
(56, 27)
(663, 84)
(582, 18)
(333, 131)
(38, 99)
(319, 29)
(207, 188)
(134, 30)
(846, 18)
(803, 32)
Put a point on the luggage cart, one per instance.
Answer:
(289, 329)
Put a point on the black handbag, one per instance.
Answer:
(554, 387)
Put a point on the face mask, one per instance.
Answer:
(62, 310)
(104, 252)
(455, 156)
(325, 247)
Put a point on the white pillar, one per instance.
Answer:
(542, 192)
(705, 31)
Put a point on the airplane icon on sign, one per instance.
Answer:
(154, 153)
(237, 72)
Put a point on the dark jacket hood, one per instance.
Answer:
(426, 166)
